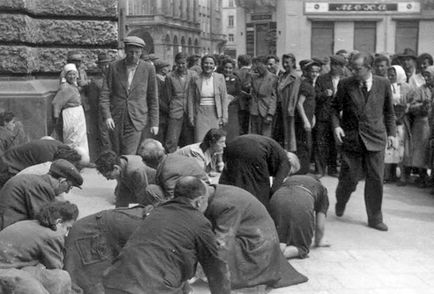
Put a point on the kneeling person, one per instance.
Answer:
(163, 252)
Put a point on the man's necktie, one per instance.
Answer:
(365, 90)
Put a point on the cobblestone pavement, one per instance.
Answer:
(360, 260)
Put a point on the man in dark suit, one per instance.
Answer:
(262, 105)
(326, 88)
(243, 73)
(129, 98)
(367, 116)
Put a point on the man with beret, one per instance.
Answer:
(325, 146)
(23, 195)
(129, 99)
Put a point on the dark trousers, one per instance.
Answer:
(125, 138)
(258, 125)
(325, 151)
(278, 125)
(179, 133)
(353, 165)
(244, 121)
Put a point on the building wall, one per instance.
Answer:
(229, 9)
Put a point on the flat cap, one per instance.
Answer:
(62, 168)
(312, 63)
(338, 59)
(303, 62)
(134, 41)
(159, 64)
(153, 57)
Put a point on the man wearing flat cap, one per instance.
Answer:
(129, 99)
(23, 195)
(326, 87)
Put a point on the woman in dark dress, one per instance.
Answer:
(233, 86)
(304, 119)
(299, 210)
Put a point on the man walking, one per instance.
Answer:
(367, 116)
(129, 98)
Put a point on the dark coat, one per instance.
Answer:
(94, 241)
(264, 98)
(250, 161)
(27, 243)
(23, 196)
(162, 254)
(246, 83)
(18, 158)
(323, 109)
(368, 120)
(176, 93)
(249, 241)
(140, 102)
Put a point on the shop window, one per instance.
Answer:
(322, 38)
(407, 34)
(365, 34)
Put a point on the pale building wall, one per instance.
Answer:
(344, 35)
(426, 36)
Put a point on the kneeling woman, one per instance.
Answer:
(69, 113)
(299, 210)
(31, 251)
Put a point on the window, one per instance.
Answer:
(231, 21)
(231, 37)
(407, 34)
(231, 3)
(365, 34)
(322, 38)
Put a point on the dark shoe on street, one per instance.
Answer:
(379, 226)
(339, 210)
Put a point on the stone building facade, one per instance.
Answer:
(320, 28)
(229, 21)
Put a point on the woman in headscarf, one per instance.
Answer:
(68, 112)
(420, 110)
(400, 155)
(207, 99)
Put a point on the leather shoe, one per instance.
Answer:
(339, 210)
(379, 226)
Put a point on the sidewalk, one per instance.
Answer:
(361, 260)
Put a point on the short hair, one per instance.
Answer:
(211, 137)
(259, 59)
(180, 55)
(67, 153)
(421, 58)
(151, 152)
(208, 56)
(228, 60)
(6, 117)
(368, 59)
(244, 60)
(189, 187)
(192, 59)
(273, 57)
(106, 161)
(64, 210)
(341, 51)
(289, 55)
(380, 58)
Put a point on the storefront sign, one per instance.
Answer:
(360, 7)
(257, 17)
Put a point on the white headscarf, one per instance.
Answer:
(401, 78)
(69, 67)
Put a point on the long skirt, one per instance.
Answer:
(74, 130)
(206, 119)
(420, 133)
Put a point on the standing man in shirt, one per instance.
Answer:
(367, 125)
(177, 83)
(129, 99)
(326, 88)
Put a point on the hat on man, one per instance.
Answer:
(70, 66)
(134, 41)
(153, 57)
(74, 56)
(338, 60)
(319, 60)
(303, 62)
(62, 168)
(310, 64)
(408, 53)
(159, 64)
(103, 57)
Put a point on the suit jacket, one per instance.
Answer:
(220, 97)
(178, 101)
(138, 102)
(364, 119)
(323, 107)
(246, 82)
(264, 97)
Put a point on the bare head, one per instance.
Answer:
(152, 152)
